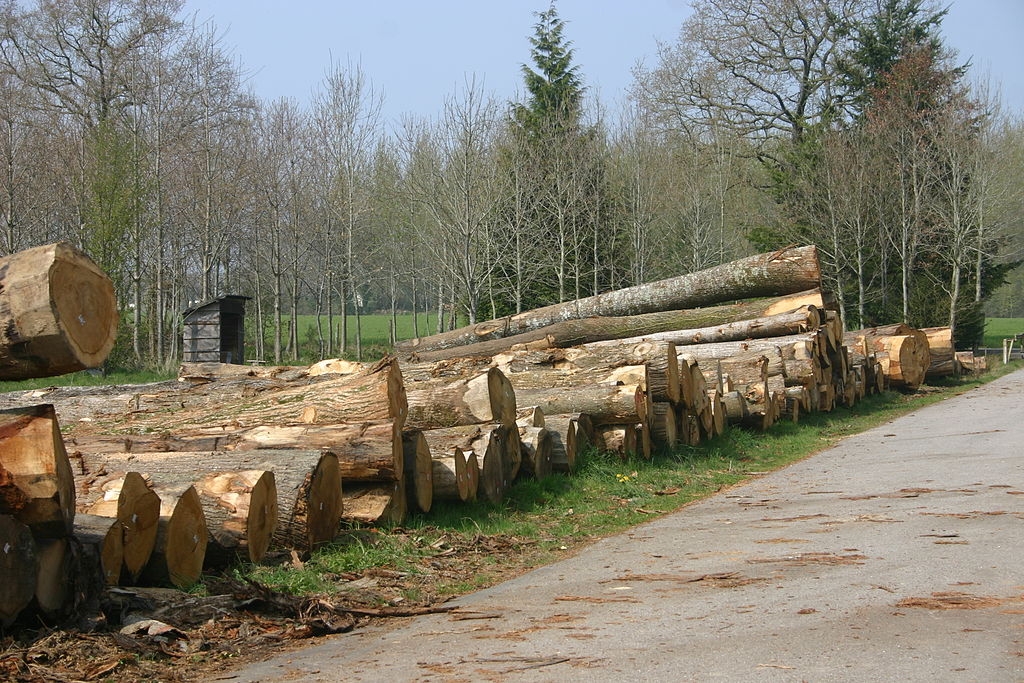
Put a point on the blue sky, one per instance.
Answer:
(418, 52)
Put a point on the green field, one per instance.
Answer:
(998, 329)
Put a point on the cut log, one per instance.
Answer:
(58, 313)
(104, 534)
(19, 567)
(383, 504)
(622, 440)
(419, 469)
(306, 487)
(487, 397)
(451, 477)
(241, 514)
(376, 394)
(783, 272)
(941, 356)
(907, 348)
(37, 486)
(536, 450)
(181, 540)
(530, 417)
(571, 435)
(657, 357)
(55, 577)
(603, 403)
(665, 425)
(128, 498)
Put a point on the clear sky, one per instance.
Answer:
(418, 52)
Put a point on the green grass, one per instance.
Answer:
(540, 520)
(88, 378)
(998, 329)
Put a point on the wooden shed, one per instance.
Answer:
(215, 331)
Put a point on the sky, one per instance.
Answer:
(417, 53)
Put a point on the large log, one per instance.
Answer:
(419, 469)
(376, 394)
(485, 397)
(453, 476)
(603, 403)
(380, 504)
(648, 325)
(37, 486)
(241, 514)
(128, 498)
(58, 313)
(785, 271)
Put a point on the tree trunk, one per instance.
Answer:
(907, 349)
(37, 486)
(536, 449)
(58, 313)
(571, 435)
(783, 272)
(379, 504)
(602, 403)
(453, 476)
(577, 332)
(941, 357)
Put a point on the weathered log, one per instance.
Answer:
(603, 403)
(665, 425)
(971, 363)
(181, 539)
(58, 312)
(37, 486)
(622, 440)
(419, 469)
(383, 504)
(192, 373)
(783, 272)
(717, 408)
(19, 567)
(536, 452)
(487, 397)
(490, 444)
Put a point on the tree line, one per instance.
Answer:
(129, 129)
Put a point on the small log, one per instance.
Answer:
(603, 403)
(105, 536)
(665, 426)
(129, 499)
(37, 486)
(530, 417)
(451, 477)
(536, 452)
(58, 312)
(571, 435)
(19, 567)
(383, 504)
(419, 469)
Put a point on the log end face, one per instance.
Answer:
(84, 305)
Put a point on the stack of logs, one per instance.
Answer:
(231, 461)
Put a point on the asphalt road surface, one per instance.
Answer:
(895, 556)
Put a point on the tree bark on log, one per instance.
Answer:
(104, 534)
(375, 395)
(487, 397)
(603, 403)
(241, 514)
(37, 486)
(658, 358)
(58, 312)
(786, 271)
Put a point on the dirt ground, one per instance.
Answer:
(147, 634)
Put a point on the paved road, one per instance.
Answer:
(893, 556)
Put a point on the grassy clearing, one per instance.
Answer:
(998, 329)
(541, 520)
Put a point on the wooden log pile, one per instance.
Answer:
(232, 462)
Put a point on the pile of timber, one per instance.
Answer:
(231, 462)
